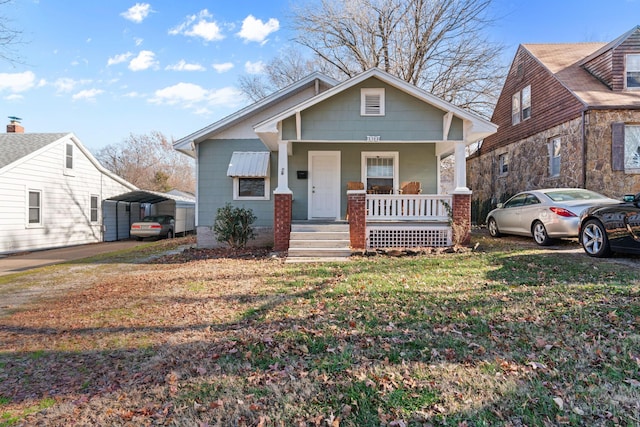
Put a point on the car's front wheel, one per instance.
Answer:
(170, 234)
(540, 234)
(594, 240)
(493, 228)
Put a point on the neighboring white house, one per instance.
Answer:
(52, 191)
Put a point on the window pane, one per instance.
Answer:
(251, 187)
(632, 147)
(380, 167)
(526, 102)
(515, 108)
(94, 208)
(69, 156)
(503, 164)
(34, 207)
(34, 199)
(633, 71)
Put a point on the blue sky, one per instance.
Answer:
(105, 69)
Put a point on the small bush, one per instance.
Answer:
(233, 226)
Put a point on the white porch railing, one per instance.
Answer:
(407, 207)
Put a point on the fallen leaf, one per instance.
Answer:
(559, 402)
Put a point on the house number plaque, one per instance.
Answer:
(373, 138)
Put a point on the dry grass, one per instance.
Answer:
(506, 335)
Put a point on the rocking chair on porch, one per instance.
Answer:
(412, 187)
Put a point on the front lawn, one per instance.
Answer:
(507, 334)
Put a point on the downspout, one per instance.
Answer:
(584, 151)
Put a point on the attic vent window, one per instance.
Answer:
(372, 102)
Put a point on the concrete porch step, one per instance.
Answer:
(317, 242)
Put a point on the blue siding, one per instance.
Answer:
(418, 162)
(406, 118)
(215, 188)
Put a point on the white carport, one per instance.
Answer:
(119, 212)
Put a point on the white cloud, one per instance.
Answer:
(138, 41)
(119, 58)
(137, 13)
(17, 82)
(222, 68)
(144, 60)
(14, 97)
(187, 93)
(87, 94)
(201, 25)
(254, 67)
(182, 65)
(190, 95)
(224, 96)
(66, 84)
(254, 30)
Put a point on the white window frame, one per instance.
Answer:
(526, 103)
(395, 155)
(633, 70)
(521, 105)
(236, 188)
(515, 108)
(369, 92)
(68, 170)
(502, 164)
(97, 208)
(552, 151)
(29, 207)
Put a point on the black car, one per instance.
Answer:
(611, 228)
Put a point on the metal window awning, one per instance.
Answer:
(249, 164)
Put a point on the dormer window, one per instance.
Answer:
(633, 71)
(372, 102)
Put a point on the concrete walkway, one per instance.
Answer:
(28, 260)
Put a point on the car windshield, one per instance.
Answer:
(159, 219)
(577, 194)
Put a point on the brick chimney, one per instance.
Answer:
(14, 126)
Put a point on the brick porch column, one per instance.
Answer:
(461, 218)
(282, 221)
(356, 209)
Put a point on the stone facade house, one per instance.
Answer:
(568, 116)
(362, 156)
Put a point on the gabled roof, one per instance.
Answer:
(16, 148)
(476, 127)
(614, 44)
(186, 144)
(565, 61)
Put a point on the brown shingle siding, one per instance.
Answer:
(551, 103)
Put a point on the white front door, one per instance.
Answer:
(324, 184)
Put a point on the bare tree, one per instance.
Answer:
(439, 45)
(285, 69)
(9, 36)
(149, 162)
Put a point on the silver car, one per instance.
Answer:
(153, 226)
(544, 214)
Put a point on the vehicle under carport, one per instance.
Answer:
(119, 212)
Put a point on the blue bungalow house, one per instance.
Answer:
(339, 166)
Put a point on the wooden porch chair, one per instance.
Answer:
(355, 185)
(411, 187)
